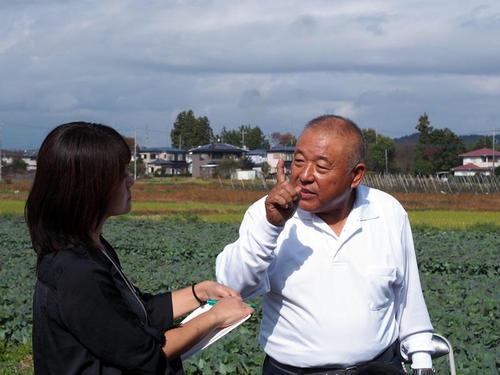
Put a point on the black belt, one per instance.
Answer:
(389, 356)
(313, 370)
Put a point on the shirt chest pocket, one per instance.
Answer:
(380, 287)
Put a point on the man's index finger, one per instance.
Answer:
(280, 171)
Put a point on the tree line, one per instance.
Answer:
(436, 149)
(190, 131)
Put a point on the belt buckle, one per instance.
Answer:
(344, 371)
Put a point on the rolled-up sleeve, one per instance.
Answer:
(159, 308)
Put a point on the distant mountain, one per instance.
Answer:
(407, 139)
(469, 140)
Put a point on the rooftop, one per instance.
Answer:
(217, 147)
(470, 167)
(481, 152)
(162, 149)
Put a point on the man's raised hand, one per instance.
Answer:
(283, 199)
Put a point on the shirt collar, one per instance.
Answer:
(361, 210)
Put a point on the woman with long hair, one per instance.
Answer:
(88, 318)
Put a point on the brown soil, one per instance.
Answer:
(214, 192)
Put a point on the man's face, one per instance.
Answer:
(320, 169)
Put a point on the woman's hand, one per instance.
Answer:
(183, 300)
(226, 311)
(229, 310)
(208, 289)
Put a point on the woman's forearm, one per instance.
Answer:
(183, 301)
(226, 311)
(179, 340)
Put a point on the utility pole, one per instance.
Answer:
(135, 153)
(386, 164)
(0, 150)
(243, 137)
(493, 141)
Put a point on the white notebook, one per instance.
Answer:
(212, 336)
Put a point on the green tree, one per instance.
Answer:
(18, 164)
(436, 149)
(253, 136)
(232, 137)
(190, 131)
(140, 168)
(247, 164)
(286, 139)
(226, 166)
(483, 142)
(265, 168)
(380, 151)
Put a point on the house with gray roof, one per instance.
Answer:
(164, 161)
(205, 159)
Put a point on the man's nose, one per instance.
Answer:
(307, 173)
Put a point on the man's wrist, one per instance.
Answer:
(423, 371)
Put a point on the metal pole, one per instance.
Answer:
(243, 137)
(0, 150)
(135, 153)
(386, 165)
(493, 155)
(493, 158)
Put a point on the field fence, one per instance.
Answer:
(399, 183)
(479, 184)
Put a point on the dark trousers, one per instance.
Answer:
(388, 362)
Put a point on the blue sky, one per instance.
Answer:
(274, 64)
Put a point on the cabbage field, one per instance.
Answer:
(459, 271)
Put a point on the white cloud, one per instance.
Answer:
(273, 64)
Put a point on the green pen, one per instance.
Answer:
(212, 302)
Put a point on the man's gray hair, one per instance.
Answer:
(357, 153)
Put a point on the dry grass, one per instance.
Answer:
(212, 191)
(453, 202)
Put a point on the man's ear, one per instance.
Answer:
(357, 175)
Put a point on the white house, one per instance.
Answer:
(164, 160)
(29, 157)
(483, 161)
(283, 152)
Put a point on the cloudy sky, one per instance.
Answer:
(275, 64)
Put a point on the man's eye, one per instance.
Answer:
(297, 160)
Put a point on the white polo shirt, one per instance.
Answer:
(328, 299)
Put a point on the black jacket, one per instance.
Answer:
(86, 320)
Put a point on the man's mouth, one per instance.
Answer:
(305, 194)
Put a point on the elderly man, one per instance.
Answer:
(334, 261)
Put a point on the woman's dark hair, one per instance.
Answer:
(79, 165)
